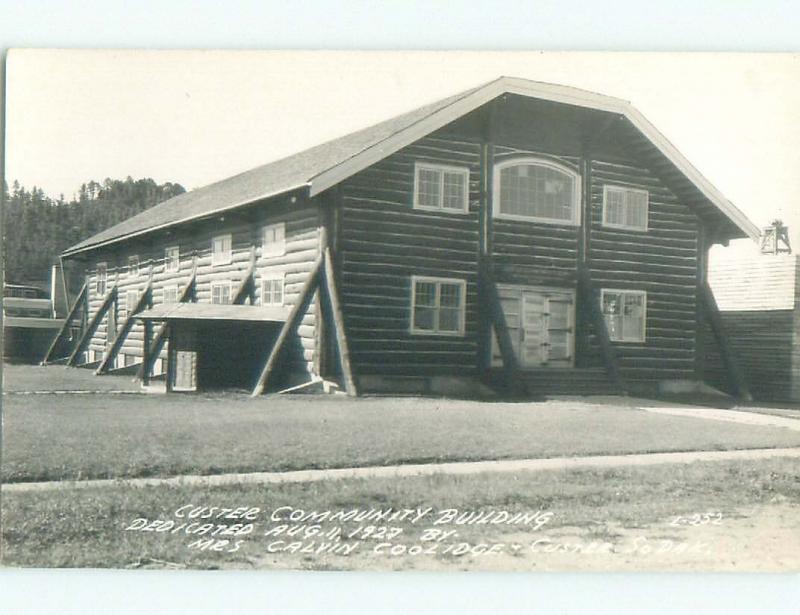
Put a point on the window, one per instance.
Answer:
(172, 258)
(102, 276)
(170, 294)
(537, 190)
(437, 306)
(221, 293)
(441, 188)
(221, 250)
(272, 290)
(625, 208)
(133, 265)
(273, 242)
(625, 313)
(131, 298)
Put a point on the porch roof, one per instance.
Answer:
(213, 311)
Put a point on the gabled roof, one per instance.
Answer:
(323, 166)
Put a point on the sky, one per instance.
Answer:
(194, 117)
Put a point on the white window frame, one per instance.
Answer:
(168, 258)
(177, 290)
(133, 265)
(223, 257)
(273, 277)
(222, 285)
(462, 285)
(101, 278)
(543, 162)
(625, 189)
(441, 168)
(627, 291)
(273, 248)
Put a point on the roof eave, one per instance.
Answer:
(77, 249)
(561, 94)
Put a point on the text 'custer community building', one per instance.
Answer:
(520, 236)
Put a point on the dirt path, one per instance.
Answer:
(467, 467)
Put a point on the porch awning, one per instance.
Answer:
(213, 311)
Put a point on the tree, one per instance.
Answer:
(38, 228)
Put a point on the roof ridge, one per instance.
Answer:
(321, 166)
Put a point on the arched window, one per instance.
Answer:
(537, 190)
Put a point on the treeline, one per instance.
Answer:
(37, 228)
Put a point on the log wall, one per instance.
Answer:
(759, 302)
(661, 261)
(383, 241)
(194, 241)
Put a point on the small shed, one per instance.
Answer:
(759, 301)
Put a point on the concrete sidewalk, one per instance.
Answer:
(733, 416)
(466, 467)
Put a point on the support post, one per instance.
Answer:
(329, 284)
(484, 255)
(147, 334)
(299, 308)
(584, 260)
(48, 357)
(161, 336)
(92, 326)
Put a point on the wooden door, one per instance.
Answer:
(533, 333)
(541, 325)
(559, 330)
(183, 360)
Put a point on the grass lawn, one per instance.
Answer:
(86, 528)
(18, 377)
(51, 437)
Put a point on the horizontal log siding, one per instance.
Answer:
(762, 341)
(384, 241)
(194, 242)
(661, 261)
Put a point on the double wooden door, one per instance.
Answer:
(541, 324)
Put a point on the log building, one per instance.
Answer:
(759, 302)
(526, 236)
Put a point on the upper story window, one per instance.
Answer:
(172, 256)
(102, 277)
(272, 290)
(133, 265)
(536, 190)
(441, 188)
(437, 306)
(625, 312)
(625, 208)
(221, 250)
(131, 298)
(221, 292)
(273, 240)
(170, 294)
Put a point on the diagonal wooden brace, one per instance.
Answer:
(145, 299)
(78, 304)
(91, 328)
(298, 310)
